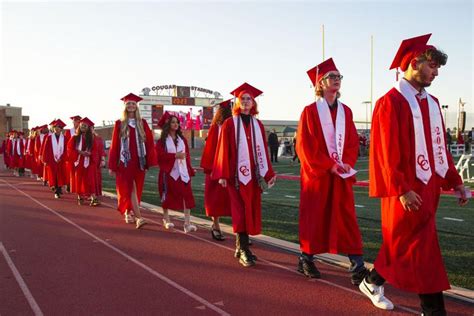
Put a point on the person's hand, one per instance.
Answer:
(223, 182)
(102, 164)
(111, 173)
(411, 201)
(463, 199)
(337, 169)
(180, 155)
(347, 167)
(272, 182)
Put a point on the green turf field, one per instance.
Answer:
(280, 216)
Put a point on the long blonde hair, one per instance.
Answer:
(124, 124)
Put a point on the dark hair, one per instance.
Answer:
(221, 115)
(88, 137)
(434, 55)
(166, 130)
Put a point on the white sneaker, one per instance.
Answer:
(140, 222)
(129, 219)
(168, 224)
(376, 295)
(189, 228)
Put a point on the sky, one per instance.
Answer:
(62, 58)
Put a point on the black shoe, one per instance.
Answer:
(56, 196)
(246, 258)
(80, 201)
(308, 268)
(237, 254)
(217, 234)
(358, 276)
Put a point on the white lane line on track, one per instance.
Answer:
(29, 297)
(130, 258)
(407, 309)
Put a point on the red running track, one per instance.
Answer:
(79, 260)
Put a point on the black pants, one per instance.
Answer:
(274, 153)
(431, 304)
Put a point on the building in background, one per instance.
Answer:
(11, 117)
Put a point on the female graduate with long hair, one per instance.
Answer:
(82, 153)
(242, 165)
(174, 180)
(216, 198)
(131, 154)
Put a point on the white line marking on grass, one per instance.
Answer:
(265, 193)
(360, 206)
(453, 219)
(29, 297)
(290, 196)
(130, 258)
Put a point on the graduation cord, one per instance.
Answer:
(140, 145)
(257, 166)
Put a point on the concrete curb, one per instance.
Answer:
(455, 292)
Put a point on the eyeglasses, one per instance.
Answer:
(246, 99)
(334, 77)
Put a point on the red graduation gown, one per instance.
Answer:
(84, 177)
(29, 149)
(37, 154)
(9, 153)
(327, 220)
(56, 170)
(216, 198)
(126, 176)
(410, 257)
(179, 195)
(18, 158)
(99, 143)
(69, 169)
(245, 203)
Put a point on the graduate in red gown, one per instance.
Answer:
(68, 133)
(54, 156)
(18, 153)
(242, 165)
(328, 147)
(174, 179)
(409, 164)
(99, 143)
(216, 198)
(84, 157)
(45, 172)
(131, 154)
(42, 133)
(29, 149)
(7, 148)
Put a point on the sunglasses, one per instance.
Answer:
(334, 77)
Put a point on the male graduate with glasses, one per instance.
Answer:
(409, 164)
(328, 147)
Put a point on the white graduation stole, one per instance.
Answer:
(180, 168)
(27, 146)
(86, 159)
(244, 170)
(18, 147)
(423, 169)
(58, 146)
(333, 136)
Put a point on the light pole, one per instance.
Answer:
(367, 114)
